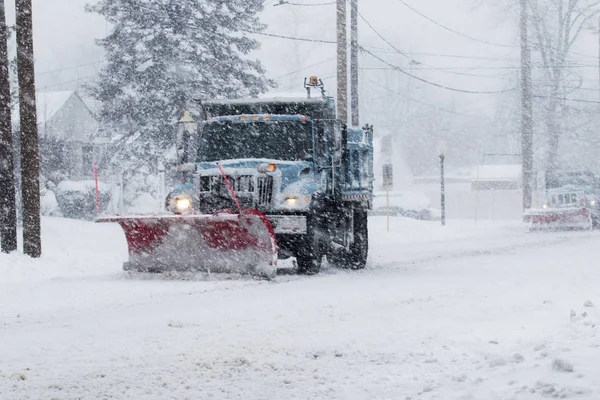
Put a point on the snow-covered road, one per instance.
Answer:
(465, 312)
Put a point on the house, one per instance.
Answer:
(67, 131)
(497, 177)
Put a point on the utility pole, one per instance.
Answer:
(342, 62)
(443, 188)
(354, 63)
(8, 208)
(30, 191)
(526, 108)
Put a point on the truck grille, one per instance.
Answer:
(216, 184)
(265, 190)
(246, 187)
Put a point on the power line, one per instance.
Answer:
(362, 47)
(372, 50)
(568, 99)
(425, 103)
(507, 67)
(395, 67)
(70, 68)
(450, 29)
(387, 41)
(291, 37)
(473, 38)
(425, 54)
(324, 77)
(380, 59)
(375, 50)
(65, 83)
(287, 3)
(443, 70)
(415, 62)
(305, 68)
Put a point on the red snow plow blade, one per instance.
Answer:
(223, 242)
(558, 219)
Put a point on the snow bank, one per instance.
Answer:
(410, 204)
(70, 248)
(48, 203)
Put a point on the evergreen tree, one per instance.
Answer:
(163, 55)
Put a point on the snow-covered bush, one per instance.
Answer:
(77, 199)
(49, 204)
(144, 204)
(143, 184)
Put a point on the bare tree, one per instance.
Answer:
(556, 26)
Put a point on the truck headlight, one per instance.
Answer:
(297, 202)
(544, 206)
(183, 204)
(179, 205)
(592, 203)
(264, 168)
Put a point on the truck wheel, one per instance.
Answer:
(356, 257)
(360, 249)
(309, 255)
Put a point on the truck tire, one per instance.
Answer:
(309, 255)
(354, 258)
(360, 249)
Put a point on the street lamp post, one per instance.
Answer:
(442, 155)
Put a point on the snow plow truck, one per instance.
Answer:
(570, 201)
(262, 180)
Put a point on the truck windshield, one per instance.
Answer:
(285, 141)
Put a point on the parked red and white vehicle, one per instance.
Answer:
(570, 202)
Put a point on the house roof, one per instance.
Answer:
(47, 105)
(92, 104)
(510, 172)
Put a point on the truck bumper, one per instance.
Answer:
(288, 224)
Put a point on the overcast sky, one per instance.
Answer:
(64, 39)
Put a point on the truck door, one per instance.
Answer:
(325, 149)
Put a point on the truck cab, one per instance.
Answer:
(292, 160)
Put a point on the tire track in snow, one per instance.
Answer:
(58, 316)
(414, 263)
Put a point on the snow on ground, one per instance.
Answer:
(484, 311)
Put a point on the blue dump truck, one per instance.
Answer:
(263, 180)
